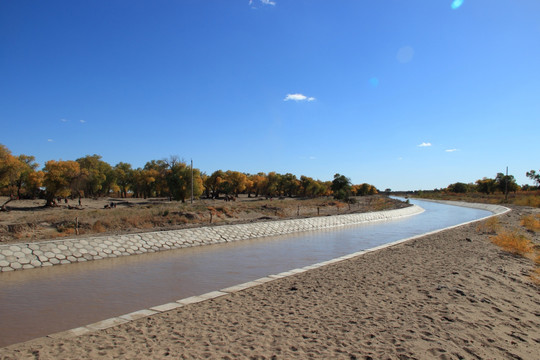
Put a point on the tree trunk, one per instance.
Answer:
(3, 207)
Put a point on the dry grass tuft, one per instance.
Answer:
(531, 222)
(513, 242)
(531, 200)
(98, 227)
(535, 275)
(489, 226)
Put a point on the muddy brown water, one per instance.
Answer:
(42, 301)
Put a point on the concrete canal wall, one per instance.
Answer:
(495, 209)
(66, 251)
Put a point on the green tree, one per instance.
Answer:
(534, 176)
(459, 188)
(289, 185)
(124, 177)
(157, 170)
(25, 181)
(486, 186)
(505, 182)
(97, 175)
(178, 180)
(341, 187)
(306, 186)
(272, 184)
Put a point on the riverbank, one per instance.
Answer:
(63, 252)
(521, 198)
(447, 295)
(29, 221)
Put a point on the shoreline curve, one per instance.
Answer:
(22, 256)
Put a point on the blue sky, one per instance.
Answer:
(311, 87)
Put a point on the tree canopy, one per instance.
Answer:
(91, 176)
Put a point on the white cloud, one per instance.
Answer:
(63, 120)
(82, 121)
(424, 144)
(268, 2)
(451, 150)
(50, 140)
(312, 158)
(298, 97)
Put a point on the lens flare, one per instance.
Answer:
(456, 4)
(405, 54)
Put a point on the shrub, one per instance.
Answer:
(490, 226)
(513, 242)
(531, 222)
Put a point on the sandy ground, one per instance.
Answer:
(451, 295)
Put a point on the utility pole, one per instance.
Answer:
(191, 181)
(506, 186)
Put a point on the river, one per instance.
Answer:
(42, 301)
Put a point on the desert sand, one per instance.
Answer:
(450, 295)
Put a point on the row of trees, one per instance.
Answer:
(90, 176)
(500, 183)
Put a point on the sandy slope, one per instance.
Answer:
(452, 295)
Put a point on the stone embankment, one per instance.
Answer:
(58, 252)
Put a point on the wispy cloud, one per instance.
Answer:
(82, 121)
(424, 144)
(50, 140)
(312, 158)
(63, 120)
(451, 150)
(298, 97)
(263, 2)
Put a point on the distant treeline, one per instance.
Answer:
(90, 176)
(501, 183)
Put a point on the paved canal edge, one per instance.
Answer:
(133, 316)
(23, 256)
